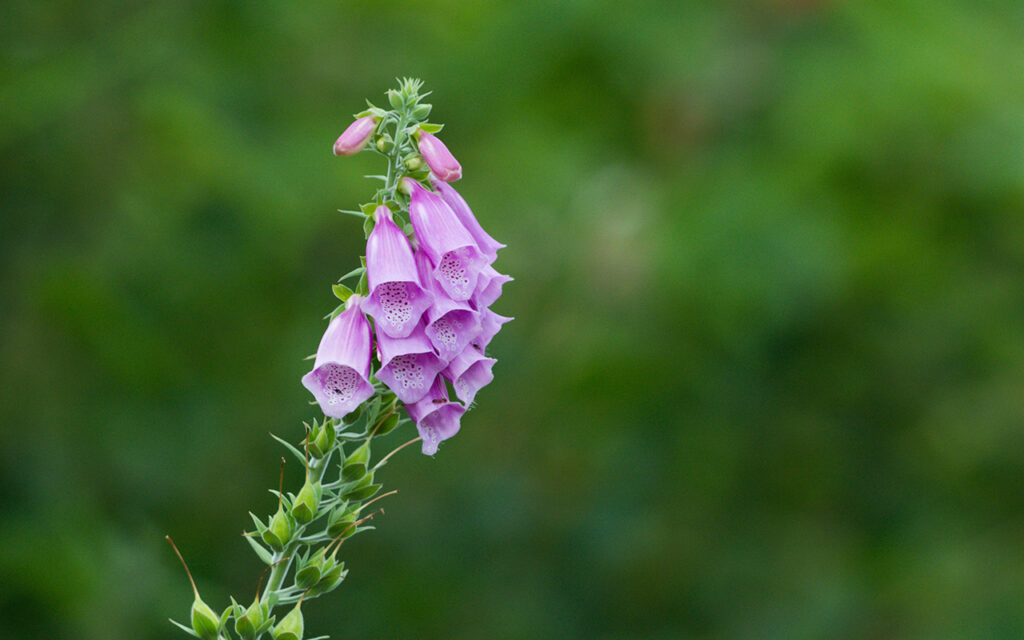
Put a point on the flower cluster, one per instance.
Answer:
(428, 292)
(413, 332)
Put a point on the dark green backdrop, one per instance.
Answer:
(766, 378)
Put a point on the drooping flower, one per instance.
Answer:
(436, 418)
(339, 379)
(440, 160)
(451, 324)
(397, 298)
(487, 245)
(355, 136)
(469, 372)
(488, 287)
(456, 258)
(490, 325)
(408, 365)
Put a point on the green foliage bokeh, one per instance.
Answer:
(766, 377)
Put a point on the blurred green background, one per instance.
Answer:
(766, 378)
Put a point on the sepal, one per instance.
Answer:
(291, 627)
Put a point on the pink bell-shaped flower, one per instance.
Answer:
(397, 298)
(469, 372)
(487, 245)
(451, 325)
(440, 160)
(355, 136)
(340, 377)
(408, 365)
(456, 258)
(436, 418)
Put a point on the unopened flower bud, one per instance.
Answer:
(279, 533)
(413, 162)
(330, 580)
(341, 523)
(306, 503)
(205, 620)
(354, 467)
(420, 111)
(355, 137)
(385, 143)
(322, 439)
(438, 157)
(395, 98)
(291, 626)
(248, 622)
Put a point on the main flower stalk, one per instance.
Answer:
(415, 324)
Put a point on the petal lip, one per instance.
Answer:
(469, 372)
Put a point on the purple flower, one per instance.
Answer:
(355, 137)
(397, 298)
(438, 157)
(408, 365)
(339, 379)
(451, 325)
(436, 418)
(469, 372)
(487, 245)
(450, 247)
(488, 287)
(490, 324)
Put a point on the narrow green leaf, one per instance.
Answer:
(298, 454)
(263, 554)
(341, 292)
(187, 630)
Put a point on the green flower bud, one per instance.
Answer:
(385, 143)
(248, 622)
(420, 111)
(312, 571)
(321, 439)
(330, 580)
(205, 620)
(413, 162)
(354, 467)
(362, 489)
(340, 520)
(395, 98)
(279, 533)
(306, 503)
(291, 626)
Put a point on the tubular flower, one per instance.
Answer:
(449, 245)
(408, 365)
(397, 298)
(488, 287)
(339, 379)
(440, 160)
(436, 418)
(469, 372)
(451, 325)
(487, 245)
(355, 137)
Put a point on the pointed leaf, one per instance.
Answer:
(263, 554)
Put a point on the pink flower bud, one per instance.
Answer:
(355, 137)
(440, 160)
